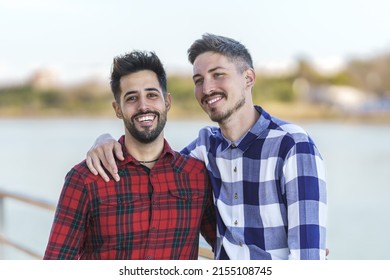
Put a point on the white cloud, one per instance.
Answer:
(277, 67)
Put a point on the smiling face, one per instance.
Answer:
(220, 87)
(142, 106)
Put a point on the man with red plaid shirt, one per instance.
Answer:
(164, 199)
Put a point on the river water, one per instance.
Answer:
(35, 155)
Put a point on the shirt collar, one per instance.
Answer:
(260, 127)
(167, 154)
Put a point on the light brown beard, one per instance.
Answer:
(222, 117)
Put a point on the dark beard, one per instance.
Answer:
(149, 135)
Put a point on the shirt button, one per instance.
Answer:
(240, 244)
(235, 169)
(235, 196)
(233, 146)
(149, 257)
(235, 222)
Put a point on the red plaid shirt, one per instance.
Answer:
(148, 214)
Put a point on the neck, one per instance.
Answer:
(240, 123)
(144, 153)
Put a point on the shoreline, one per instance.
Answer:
(291, 112)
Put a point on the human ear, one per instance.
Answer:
(250, 77)
(168, 101)
(117, 109)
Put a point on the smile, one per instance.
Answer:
(146, 118)
(213, 100)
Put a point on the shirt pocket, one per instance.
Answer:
(122, 204)
(120, 198)
(189, 190)
(186, 194)
(114, 215)
(188, 187)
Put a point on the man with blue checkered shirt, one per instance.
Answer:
(267, 175)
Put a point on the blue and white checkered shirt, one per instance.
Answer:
(269, 191)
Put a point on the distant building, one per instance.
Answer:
(346, 98)
(44, 79)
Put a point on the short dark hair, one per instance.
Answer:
(228, 47)
(133, 62)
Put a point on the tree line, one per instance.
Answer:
(370, 75)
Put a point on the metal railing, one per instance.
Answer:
(27, 200)
(203, 252)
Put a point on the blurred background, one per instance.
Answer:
(322, 64)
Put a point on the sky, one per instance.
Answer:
(77, 39)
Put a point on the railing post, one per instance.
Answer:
(2, 215)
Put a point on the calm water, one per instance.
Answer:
(35, 155)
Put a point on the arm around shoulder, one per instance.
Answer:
(102, 155)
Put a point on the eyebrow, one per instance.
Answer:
(152, 89)
(136, 91)
(209, 71)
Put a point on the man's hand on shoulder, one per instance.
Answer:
(103, 152)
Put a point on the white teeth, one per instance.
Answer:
(145, 118)
(214, 100)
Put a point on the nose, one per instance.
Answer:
(143, 104)
(208, 87)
